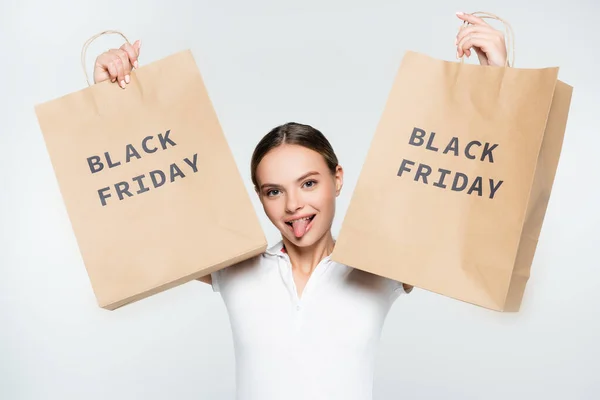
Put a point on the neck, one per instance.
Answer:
(306, 259)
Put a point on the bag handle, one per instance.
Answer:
(510, 37)
(87, 44)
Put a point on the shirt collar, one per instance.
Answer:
(276, 249)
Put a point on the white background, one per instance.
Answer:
(329, 64)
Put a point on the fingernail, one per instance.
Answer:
(460, 13)
(123, 84)
(135, 64)
(139, 43)
(457, 56)
(127, 79)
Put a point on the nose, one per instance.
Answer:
(293, 202)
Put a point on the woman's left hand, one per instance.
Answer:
(488, 42)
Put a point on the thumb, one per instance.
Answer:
(483, 59)
(136, 48)
(136, 45)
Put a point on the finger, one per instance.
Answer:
(122, 55)
(471, 19)
(481, 40)
(113, 71)
(491, 44)
(474, 29)
(459, 53)
(118, 63)
(485, 46)
(103, 69)
(460, 50)
(137, 45)
(127, 66)
(132, 52)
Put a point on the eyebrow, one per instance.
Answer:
(272, 185)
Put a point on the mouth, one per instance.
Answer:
(300, 226)
(307, 218)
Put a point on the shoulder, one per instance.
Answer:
(370, 281)
(246, 270)
(222, 276)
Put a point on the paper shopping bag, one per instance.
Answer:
(150, 185)
(455, 186)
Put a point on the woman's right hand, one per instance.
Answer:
(116, 64)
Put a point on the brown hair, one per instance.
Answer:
(293, 133)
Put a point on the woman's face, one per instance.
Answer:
(298, 192)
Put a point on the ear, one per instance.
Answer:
(339, 179)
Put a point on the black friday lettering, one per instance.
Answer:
(446, 179)
(141, 183)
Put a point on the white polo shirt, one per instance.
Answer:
(320, 346)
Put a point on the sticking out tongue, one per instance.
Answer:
(300, 227)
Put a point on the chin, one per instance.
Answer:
(305, 241)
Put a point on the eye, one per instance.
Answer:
(310, 184)
(272, 193)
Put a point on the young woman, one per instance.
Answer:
(304, 326)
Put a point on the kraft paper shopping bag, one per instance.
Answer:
(150, 185)
(454, 190)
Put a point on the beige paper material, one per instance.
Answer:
(169, 204)
(455, 186)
